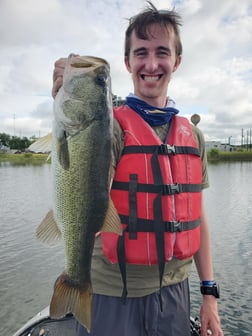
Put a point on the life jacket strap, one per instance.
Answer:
(163, 149)
(158, 219)
(166, 189)
(132, 224)
(121, 255)
(147, 225)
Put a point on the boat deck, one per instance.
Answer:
(43, 325)
(50, 327)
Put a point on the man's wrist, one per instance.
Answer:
(207, 283)
(210, 287)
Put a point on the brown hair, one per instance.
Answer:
(141, 22)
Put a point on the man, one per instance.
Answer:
(140, 280)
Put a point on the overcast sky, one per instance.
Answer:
(214, 79)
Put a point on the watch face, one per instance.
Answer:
(211, 290)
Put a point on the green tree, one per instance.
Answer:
(4, 139)
(15, 142)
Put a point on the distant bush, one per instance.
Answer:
(213, 153)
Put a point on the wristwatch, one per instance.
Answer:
(210, 288)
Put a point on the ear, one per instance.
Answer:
(127, 64)
(177, 63)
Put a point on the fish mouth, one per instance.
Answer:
(87, 62)
(151, 78)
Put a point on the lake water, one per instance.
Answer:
(28, 269)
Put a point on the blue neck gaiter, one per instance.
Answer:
(152, 115)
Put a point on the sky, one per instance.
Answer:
(214, 79)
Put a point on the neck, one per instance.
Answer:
(153, 115)
(157, 102)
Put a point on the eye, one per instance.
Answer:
(141, 54)
(100, 80)
(164, 52)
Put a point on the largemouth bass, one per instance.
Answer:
(81, 168)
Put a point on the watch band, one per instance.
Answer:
(212, 289)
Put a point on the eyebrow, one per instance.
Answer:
(161, 48)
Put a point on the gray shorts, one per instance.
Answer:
(142, 316)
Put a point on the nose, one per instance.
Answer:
(151, 64)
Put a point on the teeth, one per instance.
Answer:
(151, 78)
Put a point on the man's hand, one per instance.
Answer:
(209, 316)
(59, 67)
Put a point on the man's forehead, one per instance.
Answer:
(163, 35)
(157, 31)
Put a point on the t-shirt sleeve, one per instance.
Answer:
(203, 154)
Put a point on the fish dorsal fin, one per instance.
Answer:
(43, 145)
(48, 230)
(112, 222)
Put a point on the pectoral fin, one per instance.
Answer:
(63, 152)
(112, 222)
(48, 230)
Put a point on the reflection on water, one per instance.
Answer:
(28, 269)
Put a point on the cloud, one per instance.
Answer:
(215, 75)
(214, 79)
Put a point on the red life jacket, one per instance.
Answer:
(157, 193)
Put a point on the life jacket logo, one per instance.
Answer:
(185, 130)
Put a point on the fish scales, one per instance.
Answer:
(81, 167)
(87, 187)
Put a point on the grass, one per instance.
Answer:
(24, 158)
(213, 155)
(216, 155)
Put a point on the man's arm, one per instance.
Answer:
(203, 260)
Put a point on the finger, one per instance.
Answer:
(61, 62)
(215, 331)
(59, 67)
(57, 85)
(203, 329)
(58, 72)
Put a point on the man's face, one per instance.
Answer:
(152, 63)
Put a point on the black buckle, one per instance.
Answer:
(172, 189)
(177, 226)
(168, 149)
(176, 188)
(174, 227)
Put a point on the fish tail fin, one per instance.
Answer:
(71, 299)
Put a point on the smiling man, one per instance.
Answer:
(152, 60)
(140, 279)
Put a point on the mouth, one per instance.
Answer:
(148, 78)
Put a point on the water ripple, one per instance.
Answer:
(28, 268)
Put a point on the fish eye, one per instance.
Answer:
(100, 79)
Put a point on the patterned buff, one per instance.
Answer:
(152, 115)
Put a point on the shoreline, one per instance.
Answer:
(38, 159)
(221, 156)
(25, 158)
